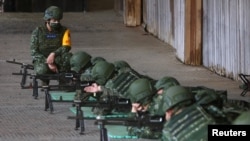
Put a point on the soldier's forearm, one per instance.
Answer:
(61, 50)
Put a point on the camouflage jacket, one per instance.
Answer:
(43, 42)
(189, 125)
(119, 85)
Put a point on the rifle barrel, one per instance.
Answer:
(14, 62)
(28, 66)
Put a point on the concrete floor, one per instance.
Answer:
(101, 33)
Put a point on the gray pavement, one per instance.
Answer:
(101, 33)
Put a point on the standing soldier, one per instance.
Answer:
(50, 44)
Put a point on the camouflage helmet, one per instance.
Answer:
(79, 60)
(53, 12)
(166, 82)
(102, 71)
(121, 64)
(175, 96)
(140, 91)
(242, 119)
(206, 96)
(97, 59)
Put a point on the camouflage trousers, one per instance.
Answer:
(62, 62)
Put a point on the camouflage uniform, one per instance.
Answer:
(98, 72)
(231, 107)
(208, 107)
(117, 86)
(82, 63)
(164, 83)
(142, 91)
(189, 125)
(154, 108)
(190, 117)
(86, 74)
(43, 42)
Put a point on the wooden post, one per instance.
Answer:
(132, 12)
(193, 32)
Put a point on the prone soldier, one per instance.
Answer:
(178, 103)
(146, 98)
(82, 63)
(116, 86)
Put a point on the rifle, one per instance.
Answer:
(24, 71)
(155, 123)
(69, 76)
(72, 77)
(72, 87)
(110, 102)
